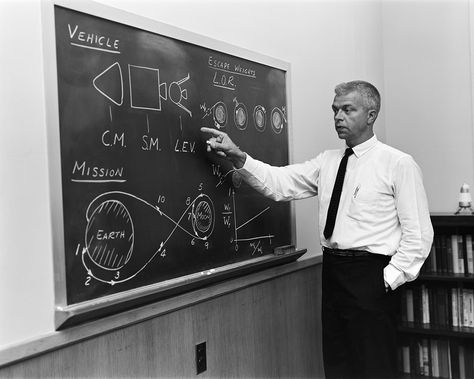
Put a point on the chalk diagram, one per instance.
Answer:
(278, 119)
(237, 232)
(220, 116)
(219, 113)
(230, 216)
(240, 115)
(145, 87)
(110, 235)
(260, 118)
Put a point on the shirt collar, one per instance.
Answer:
(364, 147)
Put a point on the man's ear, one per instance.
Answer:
(371, 116)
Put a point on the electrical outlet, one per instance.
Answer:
(201, 359)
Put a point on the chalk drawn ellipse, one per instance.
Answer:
(259, 117)
(220, 114)
(240, 116)
(277, 120)
(109, 235)
(203, 216)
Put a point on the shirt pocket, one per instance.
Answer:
(363, 204)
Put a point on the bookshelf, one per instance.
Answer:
(436, 332)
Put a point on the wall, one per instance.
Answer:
(428, 92)
(258, 331)
(326, 42)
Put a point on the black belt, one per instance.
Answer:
(346, 253)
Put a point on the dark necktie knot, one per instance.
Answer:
(336, 194)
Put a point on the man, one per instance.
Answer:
(375, 230)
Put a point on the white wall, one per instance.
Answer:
(326, 42)
(428, 92)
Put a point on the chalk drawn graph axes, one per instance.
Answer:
(236, 228)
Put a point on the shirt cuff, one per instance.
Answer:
(393, 276)
(249, 165)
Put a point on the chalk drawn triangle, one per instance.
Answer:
(110, 83)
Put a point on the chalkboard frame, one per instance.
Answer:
(66, 315)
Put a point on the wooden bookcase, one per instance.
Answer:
(436, 332)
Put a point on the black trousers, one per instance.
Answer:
(359, 318)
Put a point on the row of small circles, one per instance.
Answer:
(241, 117)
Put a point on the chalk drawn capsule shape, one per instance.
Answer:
(110, 83)
(260, 118)
(109, 235)
(240, 116)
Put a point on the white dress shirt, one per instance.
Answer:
(383, 207)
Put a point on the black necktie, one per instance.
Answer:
(336, 195)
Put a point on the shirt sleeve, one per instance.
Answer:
(297, 181)
(416, 229)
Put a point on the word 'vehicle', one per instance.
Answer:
(92, 39)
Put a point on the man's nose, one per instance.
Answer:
(338, 115)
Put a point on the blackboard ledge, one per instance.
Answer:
(69, 315)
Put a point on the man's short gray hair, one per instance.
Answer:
(369, 92)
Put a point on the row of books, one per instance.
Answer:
(436, 357)
(451, 254)
(438, 306)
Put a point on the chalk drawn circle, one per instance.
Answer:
(175, 93)
(259, 117)
(277, 120)
(240, 116)
(236, 179)
(109, 235)
(203, 216)
(220, 114)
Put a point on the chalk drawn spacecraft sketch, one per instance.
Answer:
(110, 234)
(145, 86)
(106, 83)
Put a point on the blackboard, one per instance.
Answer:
(142, 201)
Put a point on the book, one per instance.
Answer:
(406, 359)
(455, 307)
(434, 358)
(462, 364)
(425, 305)
(461, 254)
(455, 253)
(470, 305)
(410, 311)
(469, 253)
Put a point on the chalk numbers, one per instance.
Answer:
(88, 281)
